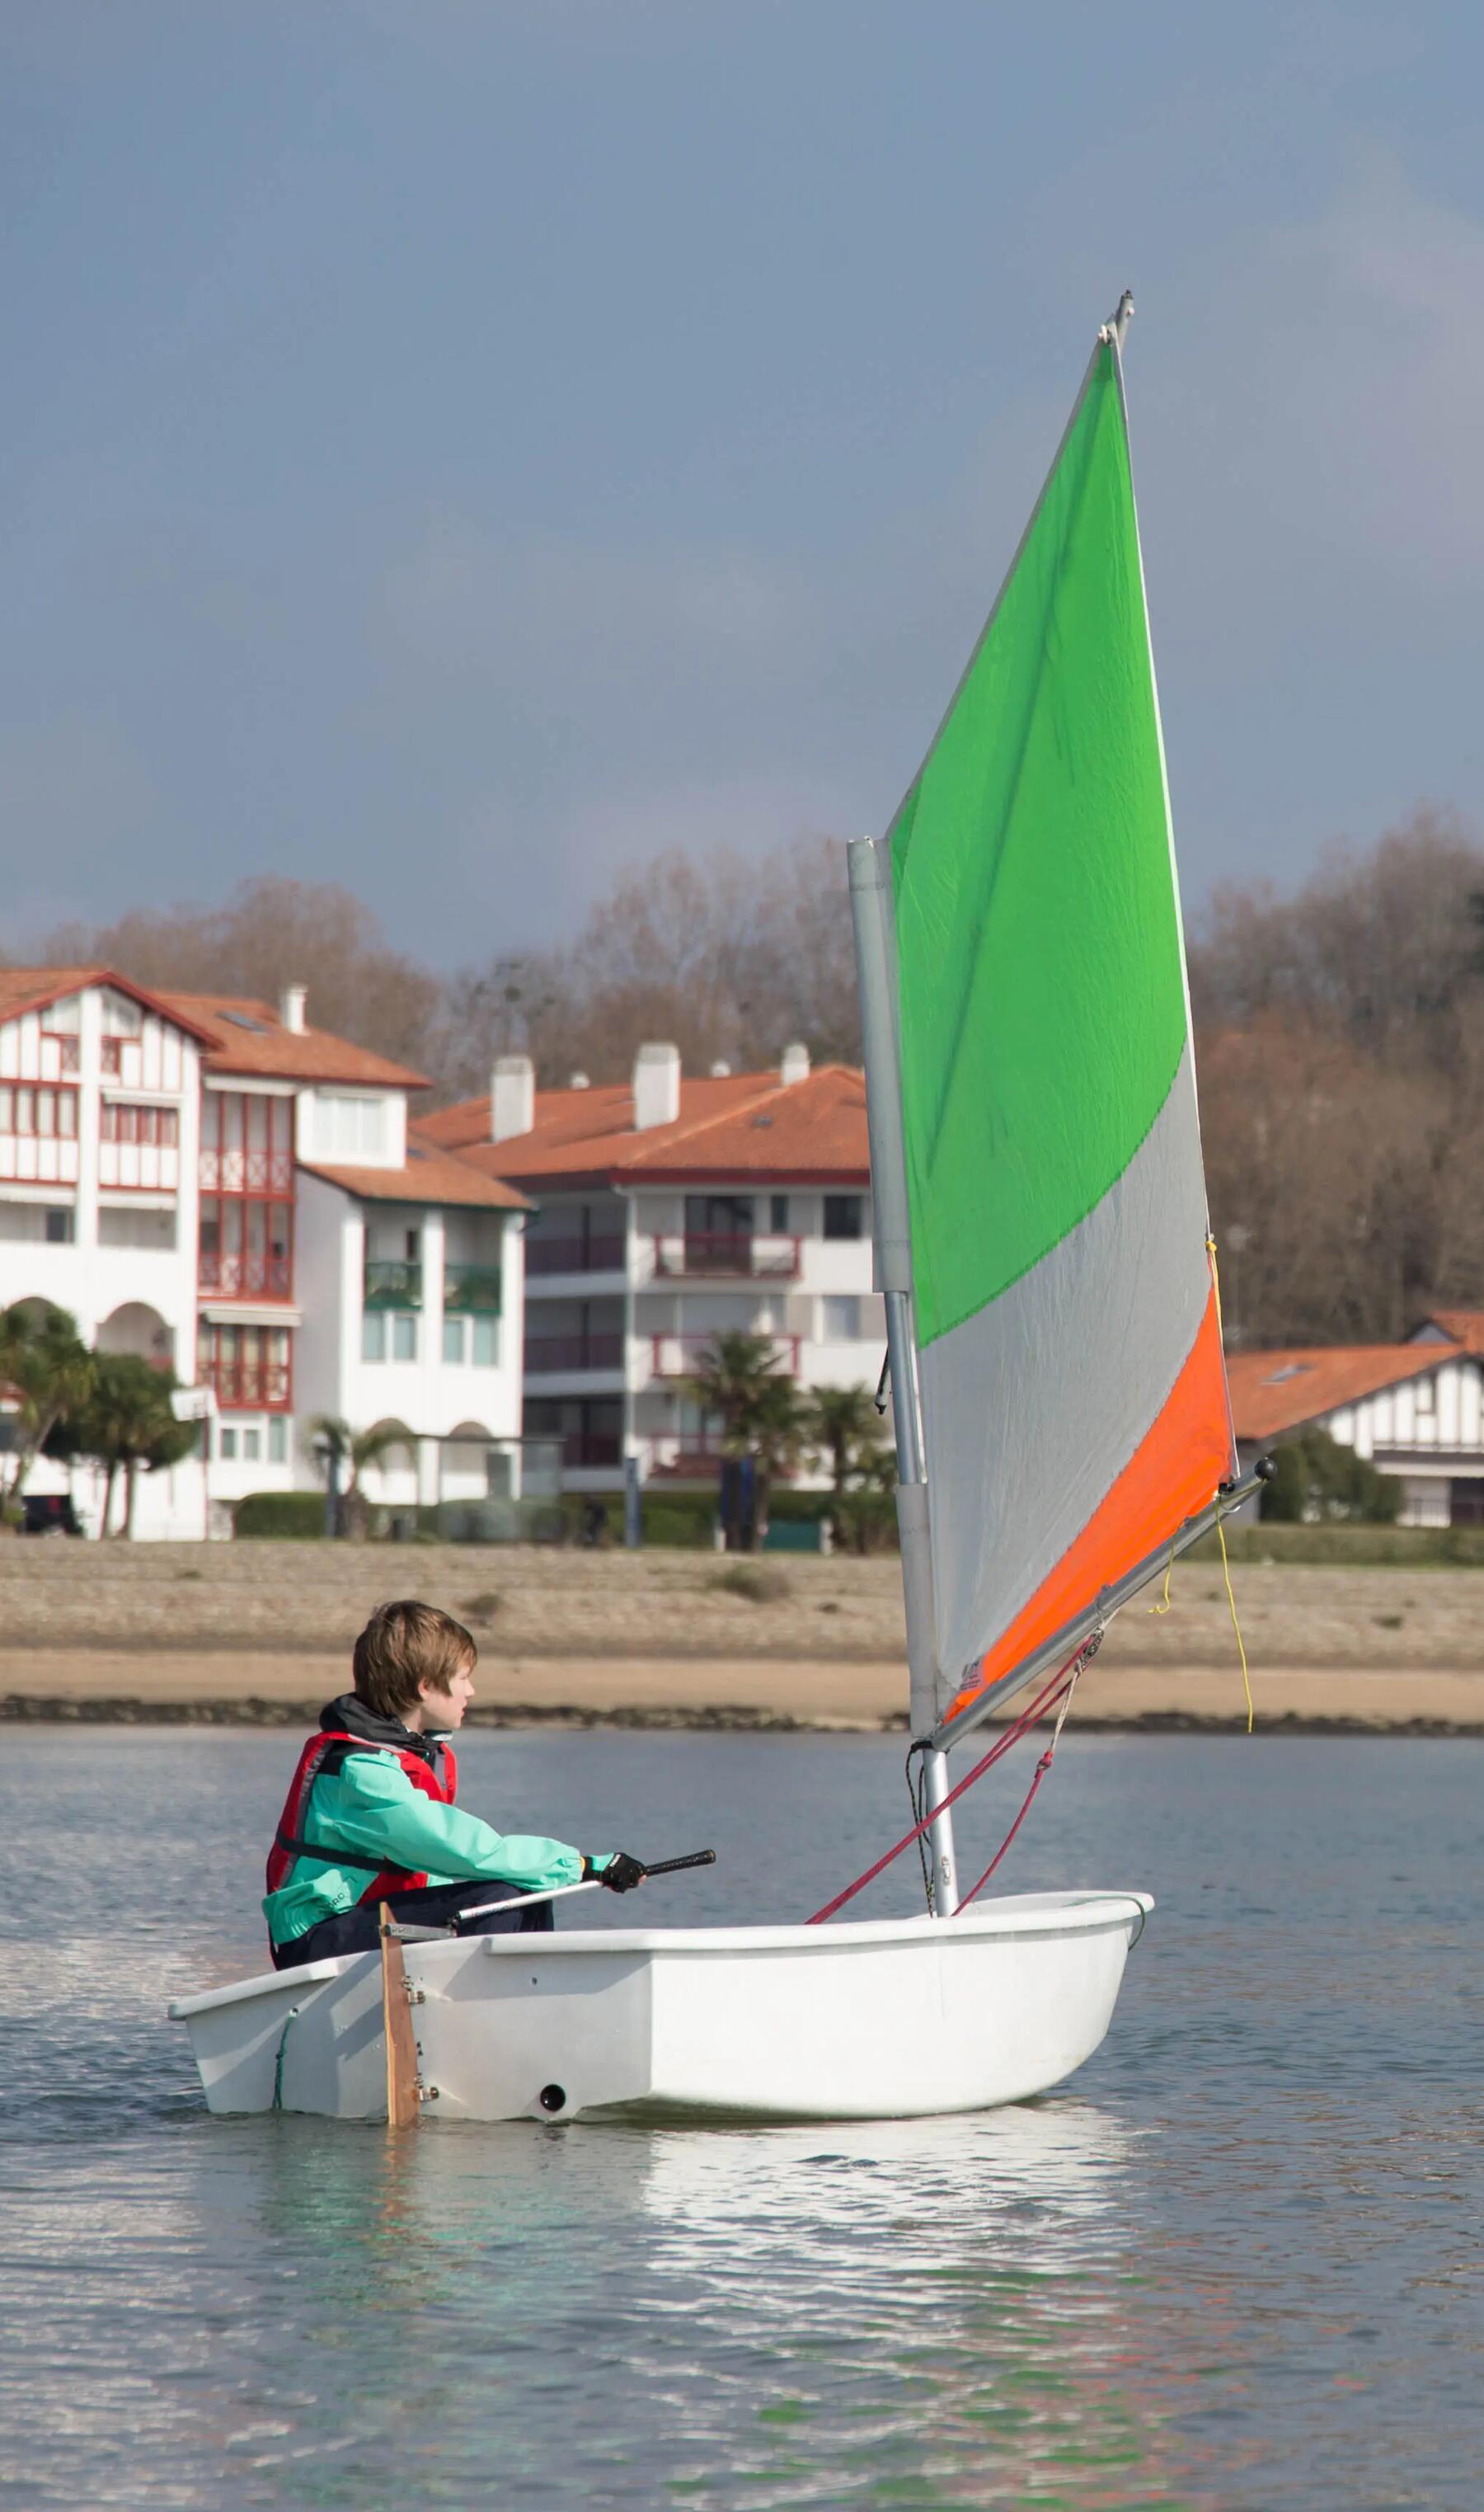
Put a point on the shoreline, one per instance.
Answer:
(246, 1688)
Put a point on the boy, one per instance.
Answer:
(370, 1816)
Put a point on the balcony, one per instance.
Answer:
(704, 1255)
(391, 1284)
(692, 1454)
(254, 1276)
(581, 1448)
(679, 1356)
(607, 1255)
(244, 1386)
(472, 1288)
(546, 1355)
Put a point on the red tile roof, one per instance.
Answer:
(430, 1176)
(1463, 1326)
(1276, 1391)
(30, 990)
(743, 1125)
(266, 1048)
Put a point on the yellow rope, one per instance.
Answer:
(1225, 1566)
(1163, 1605)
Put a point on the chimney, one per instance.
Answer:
(796, 1064)
(291, 1006)
(512, 1097)
(656, 1085)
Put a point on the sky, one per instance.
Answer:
(464, 448)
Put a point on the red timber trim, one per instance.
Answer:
(250, 1369)
(244, 1252)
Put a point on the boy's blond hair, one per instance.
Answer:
(403, 1647)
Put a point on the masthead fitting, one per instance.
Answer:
(1117, 326)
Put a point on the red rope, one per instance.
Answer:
(1041, 1768)
(1060, 1682)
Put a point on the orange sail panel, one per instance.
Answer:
(1175, 1472)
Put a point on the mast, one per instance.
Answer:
(872, 913)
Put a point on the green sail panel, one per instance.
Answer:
(1041, 985)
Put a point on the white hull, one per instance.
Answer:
(875, 2020)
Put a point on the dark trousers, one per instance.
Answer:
(431, 1905)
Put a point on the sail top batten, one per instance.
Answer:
(1072, 1390)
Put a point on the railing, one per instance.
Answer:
(391, 1284)
(678, 1254)
(591, 1448)
(547, 1353)
(607, 1255)
(695, 1453)
(240, 1385)
(677, 1356)
(242, 1172)
(472, 1287)
(245, 1277)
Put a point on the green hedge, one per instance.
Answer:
(1346, 1545)
(280, 1513)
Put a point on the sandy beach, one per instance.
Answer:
(262, 1633)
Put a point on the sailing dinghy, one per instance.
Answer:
(1060, 1407)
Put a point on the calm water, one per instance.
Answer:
(1235, 2263)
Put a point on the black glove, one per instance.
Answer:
(621, 1874)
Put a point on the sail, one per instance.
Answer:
(1073, 1393)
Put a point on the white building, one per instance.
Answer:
(213, 1184)
(1414, 1410)
(670, 1208)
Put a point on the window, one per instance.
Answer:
(404, 1336)
(347, 1128)
(251, 1367)
(778, 1212)
(252, 1446)
(413, 1249)
(58, 1226)
(226, 1444)
(453, 1342)
(278, 1440)
(842, 1320)
(487, 1342)
(842, 1216)
(124, 1120)
(46, 1113)
(373, 1334)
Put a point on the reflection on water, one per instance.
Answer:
(1228, 2268)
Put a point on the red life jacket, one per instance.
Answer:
(324, 1753)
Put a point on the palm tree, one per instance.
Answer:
(125, 1421)
(844, 1426)
(46, 1370)
(730, 1380)
(341, 1455)
(780, 1441)
(741, 1381)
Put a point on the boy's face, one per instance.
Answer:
(442, 1708)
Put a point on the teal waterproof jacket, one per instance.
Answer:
(368, 1807)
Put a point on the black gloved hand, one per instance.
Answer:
(622, 1872)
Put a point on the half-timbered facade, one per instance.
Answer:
(213, 1184)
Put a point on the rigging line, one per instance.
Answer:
(1163, 1605)
(1225, 1569)
(1041, 1768)
(1003, 1744)
(1220, 1532)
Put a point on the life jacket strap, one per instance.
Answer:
(300, 1848)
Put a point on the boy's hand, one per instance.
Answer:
(619, 1872)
